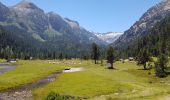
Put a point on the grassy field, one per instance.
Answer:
(129, 81)
(27, 72)
(2, 60)
(94, 82)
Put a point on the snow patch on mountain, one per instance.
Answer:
(109, 37)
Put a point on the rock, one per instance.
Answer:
(145, 23)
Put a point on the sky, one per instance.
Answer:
(96, 15)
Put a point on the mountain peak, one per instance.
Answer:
(2, 5)
(165, 0)
(166, 4)
(72, 23)
(24, 4)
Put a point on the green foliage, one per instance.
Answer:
(161, 65)
(156, 41)
(60, 56)
(37, 37)
(7, 53)
(25, 45)
(97, 83)
(28, 72)
(143, 57)
(2, 60)
(110, 56)
(159, 72)
(163, 61)
(95, 54)
(56, 96)
(52, 33)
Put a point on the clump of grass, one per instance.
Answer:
(2, 60)
(56, 96)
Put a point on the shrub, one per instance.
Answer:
(159, 72)
(56, 96)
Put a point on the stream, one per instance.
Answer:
(25, 92)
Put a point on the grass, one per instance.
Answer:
(27, 72)
(2, 60)
(127, 82)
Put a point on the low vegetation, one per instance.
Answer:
(2, 60)
(27, 72)
(128, 81)
(56, 96)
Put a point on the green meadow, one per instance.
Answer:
(127, 82)
(2, 60)
(27, 72)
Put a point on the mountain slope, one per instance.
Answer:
(156, 41)
(146, 23)
(49, 31)
(109, 37)
(5, 12)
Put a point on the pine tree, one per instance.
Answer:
(143, 57)
(8, 53)
(60, 56)
(163, 61)
(110, 57)
(95, 52)
(2, 53)
(161, 65)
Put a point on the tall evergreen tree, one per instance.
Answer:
(110, 57)
(163, 61)
(95, 52)
(8, 53)
(161, 65)
(143, 57)
(60, 56)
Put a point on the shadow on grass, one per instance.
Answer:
(112, 68)
(144, 69)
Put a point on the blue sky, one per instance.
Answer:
(96, 15)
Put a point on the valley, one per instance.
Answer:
(47, 56)
(114, 84)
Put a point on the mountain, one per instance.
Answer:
(156, 42)
(145, 23)
(109, 37)
(5, 12)
(49, 31)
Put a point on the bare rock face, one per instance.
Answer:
(26, 6)
(145, 23)
(5, 12)
(31, 17)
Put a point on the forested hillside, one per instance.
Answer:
(157, 38)
(142, 27)
(30, 32)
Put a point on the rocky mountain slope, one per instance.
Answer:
(145, 23)
(109, 37)
(49, 30)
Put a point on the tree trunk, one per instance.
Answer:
(95, 61)
(111, 67)
(145, 66)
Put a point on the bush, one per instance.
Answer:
(159, 71)
(56, 96)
